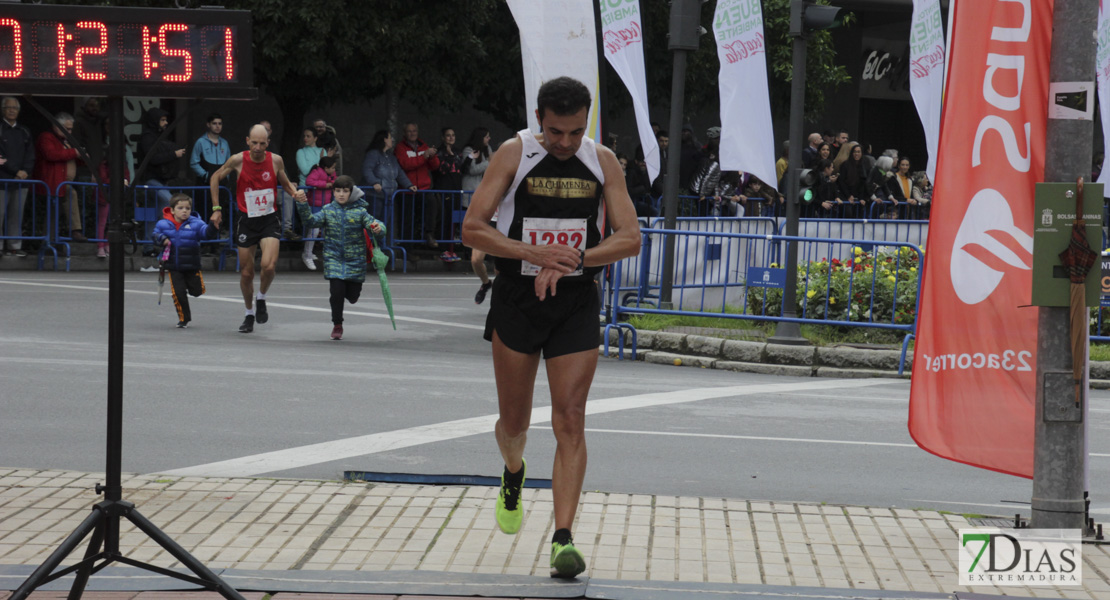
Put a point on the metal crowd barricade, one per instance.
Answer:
(406, 213)
(711, 284)
(36, 202)
(641, 278)
(148, 202)
(85, 196)
(842, 210)
(693, 206)
(867, 234)
(900, 210)
(305, 229)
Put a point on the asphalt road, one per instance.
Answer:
(288, 401)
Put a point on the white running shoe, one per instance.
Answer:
(309, 261)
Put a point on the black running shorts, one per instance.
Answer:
(562, 324)
(249, 231)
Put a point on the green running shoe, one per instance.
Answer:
(509, 511)
(566, 560)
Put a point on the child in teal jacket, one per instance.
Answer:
(343, 222)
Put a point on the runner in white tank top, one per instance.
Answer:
(552, 191)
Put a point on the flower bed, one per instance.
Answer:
(871, 287)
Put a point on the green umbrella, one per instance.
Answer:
(380, 259)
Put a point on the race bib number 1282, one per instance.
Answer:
(542, 232)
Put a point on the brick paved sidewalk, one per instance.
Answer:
(295, 525)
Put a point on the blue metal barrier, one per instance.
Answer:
(28, 197)
(406, 212)
(839, 210)
(899, 210)
(867, 233)
(693, 206)
(638, 278)
(712, 278)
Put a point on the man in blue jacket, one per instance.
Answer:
(210, 151)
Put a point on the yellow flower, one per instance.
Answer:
(858, 250)
(774, 265)
(832, 300)
(811, 293)
(891, 279)
(913, 269)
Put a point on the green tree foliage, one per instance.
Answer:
(312, 54)
(822, 72)
(437, 55)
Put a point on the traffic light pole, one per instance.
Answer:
(787, 332)
(670, 182)
(1060, 445)
(685, 31)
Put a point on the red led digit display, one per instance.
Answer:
(84, 50)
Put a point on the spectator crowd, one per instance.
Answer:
(840, 178)
(74, 150)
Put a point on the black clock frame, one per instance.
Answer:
(242, 89)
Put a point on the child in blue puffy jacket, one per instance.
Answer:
(183, 233)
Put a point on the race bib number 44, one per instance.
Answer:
(541, 232)
(259, 202)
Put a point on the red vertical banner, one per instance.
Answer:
(974, 370)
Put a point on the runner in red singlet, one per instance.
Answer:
(257, 221)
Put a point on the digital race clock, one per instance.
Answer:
(113, 51)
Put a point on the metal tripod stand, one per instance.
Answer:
(104, 522)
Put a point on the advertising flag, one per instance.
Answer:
(927, 73)
(1102, 71)
(974, 370)
(747, 138)
(623, 43)
(558, 38)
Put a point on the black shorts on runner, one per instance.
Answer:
(562, 324)
(249, 231)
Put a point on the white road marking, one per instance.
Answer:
(313, 454)
(750, 437)
(270, 303)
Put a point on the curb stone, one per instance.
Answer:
(790, 355)
(667, 358)
(777, 359)
(857, 373)
(765, 369)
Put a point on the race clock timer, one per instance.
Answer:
(86, 50)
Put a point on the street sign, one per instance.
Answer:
(1053, 216)
(766, 278)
